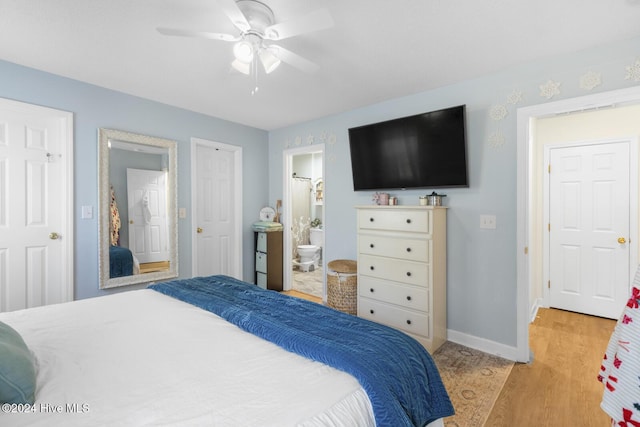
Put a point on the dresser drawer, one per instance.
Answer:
(416, 298)
(396, 247)
(414, 220)
(406, 320)
(397, 270)
(261, 280)
(261, 242)
(261, 262)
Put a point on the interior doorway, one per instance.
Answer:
(36, 206)
(588, 198)
(216, 207)
(530, 222)
(303, 219)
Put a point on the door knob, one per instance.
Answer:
(621, 240)
(199, 230)
(54, 235)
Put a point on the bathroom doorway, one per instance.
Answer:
(303, 219)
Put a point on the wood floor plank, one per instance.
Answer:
(560, 387)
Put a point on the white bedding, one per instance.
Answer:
(141, 358)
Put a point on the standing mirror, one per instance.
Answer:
(137, 202)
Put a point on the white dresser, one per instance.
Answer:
(402, 270)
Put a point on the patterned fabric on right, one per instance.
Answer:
(620, 369)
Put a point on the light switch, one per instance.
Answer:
(87, 212)
(488, 222)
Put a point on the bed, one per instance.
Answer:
(120, 261)
(220, 352)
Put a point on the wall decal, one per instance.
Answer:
(514, 97)
(590, 80)
(310, 139)
(498, 112)
(332, 139)
(298, 140)
(549, 89)
(497, 139)
(633, 71)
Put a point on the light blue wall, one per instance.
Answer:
(481, 263)
(94, 107)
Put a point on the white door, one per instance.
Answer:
(148, 227)
(36, 241)
(589, 228)
(217, 217)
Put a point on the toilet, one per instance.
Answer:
(310, 254)
(307, 254)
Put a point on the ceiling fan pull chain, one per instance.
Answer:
(254, 66)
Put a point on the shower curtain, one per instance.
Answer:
(300, 212)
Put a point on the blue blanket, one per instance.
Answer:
(120, 261)
(399, 376)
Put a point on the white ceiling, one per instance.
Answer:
(377, 49)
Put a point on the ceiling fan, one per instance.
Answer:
(257, 28)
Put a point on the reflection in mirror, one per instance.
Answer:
(138, 208)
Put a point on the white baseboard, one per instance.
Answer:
(484, 345)
(534, 309)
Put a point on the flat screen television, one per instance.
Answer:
(427, 150)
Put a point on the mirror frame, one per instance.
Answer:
(104, 201)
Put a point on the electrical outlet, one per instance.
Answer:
(488, 222)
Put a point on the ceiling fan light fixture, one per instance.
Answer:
(243, 51)
(242, 67)
(269, 61)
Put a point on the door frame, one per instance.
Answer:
(633, 203)
(237, 232)
(287, 261)
(524, 198)
(67, 175)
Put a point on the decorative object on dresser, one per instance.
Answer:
(402, 270)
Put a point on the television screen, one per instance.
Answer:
(423, 151)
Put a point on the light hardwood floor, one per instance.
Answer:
(303, 295)
(560, 387)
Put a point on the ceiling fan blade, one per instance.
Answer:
(233, 12)
(293, 59)
(199, 34)
(314, 21)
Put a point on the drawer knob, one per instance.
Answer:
(370, 219)
(408, 274)
(408, 297)
(408, 321)
(372, 268)
(371, 245)
(371, 311)
(408, 249)
(408, 220)
(371, 290)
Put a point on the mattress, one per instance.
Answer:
(141, 358)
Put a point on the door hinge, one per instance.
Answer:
(549, 226)
(549, 168)
(526, 250)
(549, 284)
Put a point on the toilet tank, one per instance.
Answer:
(315, 236)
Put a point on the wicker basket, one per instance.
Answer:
(342, 286)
